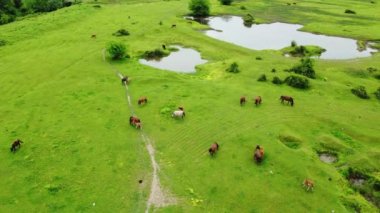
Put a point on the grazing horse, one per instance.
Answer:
(164, 47)
(16, 145)
(242, 100)
(124, 80)
(134, 121)
(258, 154)
(258, 100)
(178, 114)
(308, 184)
(214, 147)
(288, 99)
(142, 100)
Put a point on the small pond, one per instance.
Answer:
(279, 35)
(184, 60)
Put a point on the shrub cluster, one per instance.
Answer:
(121, 32)
(263, 77)
(2, 42)
(377, 93)
(248, 20)
(306, 68)
(226, 2)
(297, 82)
(360, 92)
(277, 80)
(199, 8)
(155, 54)
(234, 68)
(116, 50)
(348, 11)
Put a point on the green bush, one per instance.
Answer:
(46, 5)
(116, 50)
(243, 7)
(360, 92)
(293, 43)
(263, 77)
(155, 54)
(2, 42)
(349, 11)
(248, 20)
(274, 70)
(297, 82)
(234, 68)
(306, 68)
(199, 7)
(377, 93)
(226, 2)
(276, 80)
(121, 32)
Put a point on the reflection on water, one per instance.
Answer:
(184, 60)
(279, 35)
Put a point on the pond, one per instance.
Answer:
(184, 60)
(279, 35)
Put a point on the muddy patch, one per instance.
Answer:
(328, 157)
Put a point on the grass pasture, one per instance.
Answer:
(81, 155)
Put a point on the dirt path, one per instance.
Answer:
(158, 197)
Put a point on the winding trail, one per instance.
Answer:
(158, 197)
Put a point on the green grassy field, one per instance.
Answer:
(80, 154)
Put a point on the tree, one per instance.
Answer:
(199, 7)
(234, 68)
(116, 50)
(46, 5)
(226, 2)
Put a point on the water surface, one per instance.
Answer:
(184, 61)
(279, 35)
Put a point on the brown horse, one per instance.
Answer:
(308, 184)
(242, 100)
(258, 100)
(124, 80)
(134, 121)
(142, 100)
(214, 147)
(258, 154)
(16, 145)
(288, 99)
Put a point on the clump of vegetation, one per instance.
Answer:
(360, 91)
(259, 58)
(226, 2)
(116, 50)
(362, 45)
(199, 8)
(121, 32)
(262, 77)
(155, 54)
(97, 6)
(371, 69)
(273, 70)
(243, 7)
(377, 93)
(248, 20)
(234, 68)
(2, 42)
(297, 82)
(290, 141)
(302, 51)
(348, 11)
(306, 68)
(276, 80)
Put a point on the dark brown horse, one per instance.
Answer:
(124, 80)
(16, 145)
(288, 99)
(142, 100)
(214, 147)
(134, 121)
(258, 100)
(258, 154)
(242, 100)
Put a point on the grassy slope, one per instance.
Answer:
(70, 109)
